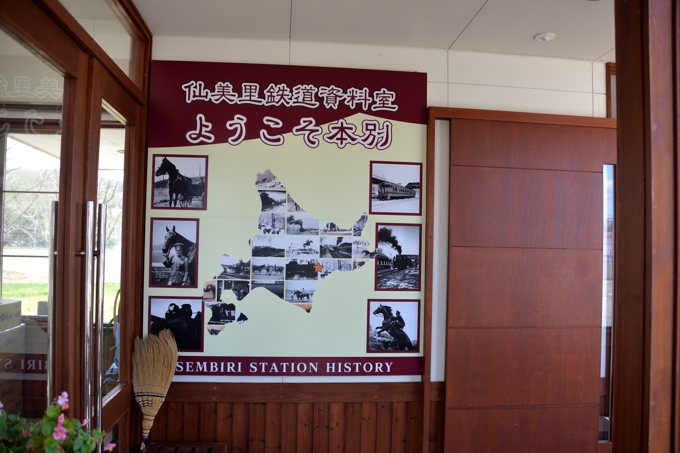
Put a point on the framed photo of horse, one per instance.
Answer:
(180, 182)
(393, 325)
(173, 259)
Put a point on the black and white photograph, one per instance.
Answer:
(273, 201)
(397, 261)
(240, 289)
(271, 223)
(183, 316)
(333, 229)
(302, 246)
(299, 269)
(360, 249)
(267, 180)
(300, 292)
(358, 264)
(393, 326)
(268, 268)
(299, 224)
(359, 225)
(221, 314)
(268, 246)
(210, 291)
(336, 247)
(233, 269)
(180, 182)
(174, 252)
(328, 266)
(395, 188)
(292, 206)
(275, 287)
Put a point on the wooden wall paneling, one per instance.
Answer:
(289, 416)
(383, 420)
(535, 146)
(523, 367)
(436, 427)
(240, 427)
(224, 423)
(446, 113)
(336, 423)
(207, 425)
(368, 427)
(305, 427)
(525, 208)
(399, 426)
(272, 430)
(191, 425)
(645, 337)
(159, 430)
(352, 427)
(321, 425)
(562, 284)
(530, 429)
(414, 426)
(175, 422)
(256, 427)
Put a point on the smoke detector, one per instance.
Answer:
(544, 37)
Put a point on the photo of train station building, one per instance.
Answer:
(548, 320)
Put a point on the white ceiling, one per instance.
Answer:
(584, 29)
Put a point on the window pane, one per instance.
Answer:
(607, 302)
(99, 20)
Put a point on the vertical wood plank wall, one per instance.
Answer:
(525, 284)
(302, 418)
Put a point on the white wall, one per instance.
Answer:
(455, 79)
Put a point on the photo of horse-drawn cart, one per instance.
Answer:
(393, 325)
(180, 182)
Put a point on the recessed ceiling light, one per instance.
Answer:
(543, 37)
(122, 151)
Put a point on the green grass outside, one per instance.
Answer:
(30, 293)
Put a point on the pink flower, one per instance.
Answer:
(59, 433)
(1, 405)
(62, 400)
(60, 420)
(25, 433)
(110, 447)
(86, 421)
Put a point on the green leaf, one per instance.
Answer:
(48, 427)
(53, 411)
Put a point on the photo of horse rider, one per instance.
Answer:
(184, 318)
(393, 326)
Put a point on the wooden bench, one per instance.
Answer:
(186, 447)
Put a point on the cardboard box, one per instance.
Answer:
(10, 313)
(13, 341)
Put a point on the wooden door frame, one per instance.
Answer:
(646, 400)
(52, 34)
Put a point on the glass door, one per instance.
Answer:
(31, 105)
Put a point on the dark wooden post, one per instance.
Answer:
(645, 320)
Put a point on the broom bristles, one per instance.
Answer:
(153, 365)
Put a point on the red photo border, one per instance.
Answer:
(148, 322)
(420, 256)
(368, 317)
(370, 189)
(174, 219)
(153, 175)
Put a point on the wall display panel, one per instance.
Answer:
(314, 174)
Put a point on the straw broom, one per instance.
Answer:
(153, 365)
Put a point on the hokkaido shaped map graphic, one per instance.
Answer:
(292, 254)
